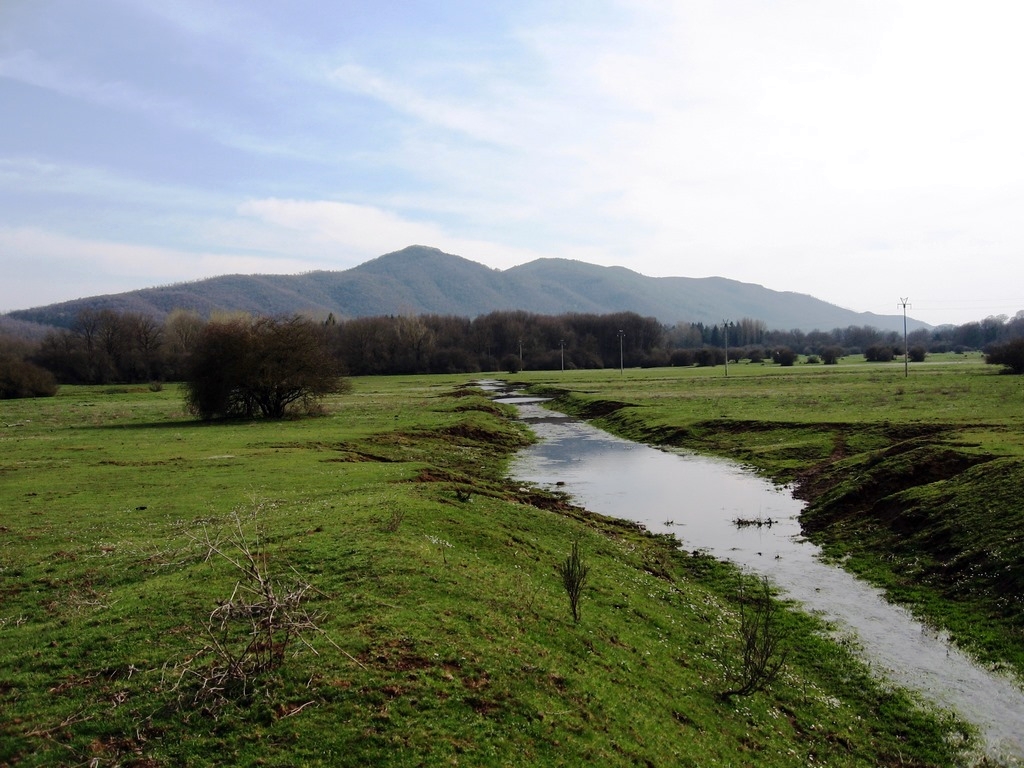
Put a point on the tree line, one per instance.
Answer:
(106, 346)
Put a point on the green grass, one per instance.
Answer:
(446, 635)
(912, 481)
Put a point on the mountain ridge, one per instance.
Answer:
(425, 280)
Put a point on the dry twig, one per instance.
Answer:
(251, 633)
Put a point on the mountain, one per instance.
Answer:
(422, 280)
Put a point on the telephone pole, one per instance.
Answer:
(725, 328)
(906, 350)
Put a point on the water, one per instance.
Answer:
(698, 499)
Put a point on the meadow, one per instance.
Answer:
(433, 627)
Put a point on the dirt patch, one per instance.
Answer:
(465, 391)
(436, 475)
(541, 499)
(598, 409)
(397, 655)
(482, 706)
(481, 407)
(347, 456)
(822, 477)
(838, 491)
(468, 432)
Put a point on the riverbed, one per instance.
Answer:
(720, 508)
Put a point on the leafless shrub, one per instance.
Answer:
(762, 638)
(251, 633)
(394, 519)
(523, 597)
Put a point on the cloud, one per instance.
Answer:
(451, 115)
(366, 231)
(30, 68)
(187, 113)
(45, 267)
(363, 228)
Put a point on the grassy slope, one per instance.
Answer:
(454, 643)
(914, 480)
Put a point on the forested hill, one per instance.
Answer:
(422, 280)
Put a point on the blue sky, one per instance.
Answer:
(857, 151)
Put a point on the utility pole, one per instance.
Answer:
(725, 328)
(906, 350)
(561, 343)
(622, 335)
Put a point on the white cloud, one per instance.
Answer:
(455, 115)
(43, 267)
(363, 231)
(362, 228)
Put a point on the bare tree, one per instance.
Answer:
(762, 653)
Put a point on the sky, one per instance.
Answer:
(864, 152)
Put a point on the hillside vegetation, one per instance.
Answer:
(140, 549)
(425, 281)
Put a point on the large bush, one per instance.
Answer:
(784, 356)
(831, 355)
(879, 353)
(20, 378)
(1009, 355)
(247, 367)
(681, 357)
(709, 356)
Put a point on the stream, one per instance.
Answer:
(699, 499)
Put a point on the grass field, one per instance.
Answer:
(913, 480)
(440, 631)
